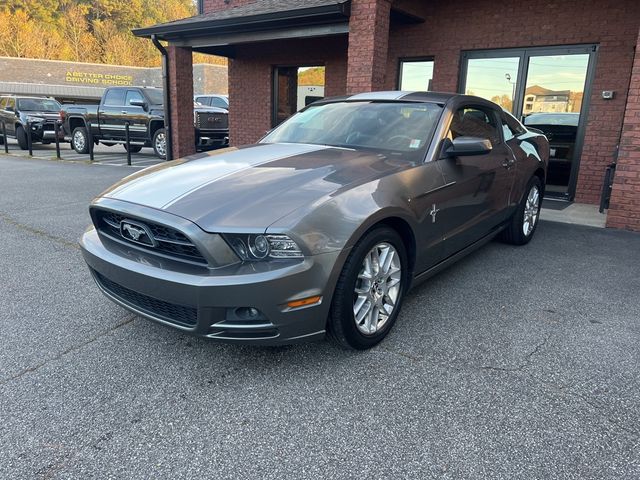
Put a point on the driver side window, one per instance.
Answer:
(474, 122)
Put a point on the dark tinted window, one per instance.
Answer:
(114, 98)
(202, 100)
(155, 96)
(510, 126)
(474, 122)
(133, 95)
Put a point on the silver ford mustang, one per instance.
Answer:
(321, 227)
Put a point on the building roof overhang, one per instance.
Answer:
(265, 20)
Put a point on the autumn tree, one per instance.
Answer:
(88, 30)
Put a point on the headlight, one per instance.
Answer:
(261, 247)
(31, 119)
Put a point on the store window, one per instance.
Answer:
(415, 74)
(294, 88)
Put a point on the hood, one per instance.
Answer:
(248, 189)
(207, 109)
(48, 115)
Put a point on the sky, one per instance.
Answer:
(486, 77)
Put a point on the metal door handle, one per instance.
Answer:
(124, 112)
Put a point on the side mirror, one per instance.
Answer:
(466, 146)
(138, 103)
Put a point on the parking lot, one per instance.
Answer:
(514, 363)
(103, 155)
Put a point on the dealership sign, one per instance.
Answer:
(104, 79)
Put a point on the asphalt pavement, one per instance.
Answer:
(515, 363)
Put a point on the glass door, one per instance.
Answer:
(546, 88)
(553, 98)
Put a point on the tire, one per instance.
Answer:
(353, 291)
(1, 139)
(525, 220)
(159, 143)
(133, 148)
(80, 140)
(21, 136)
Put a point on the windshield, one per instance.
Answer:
(569, 119)
(156, 97)
(392, 126)
(38, 105)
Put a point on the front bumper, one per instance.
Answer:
(204, 302)
(212, 138)
(45, 132)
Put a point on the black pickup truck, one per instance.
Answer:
(143, 109)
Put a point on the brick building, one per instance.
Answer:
(587, 49)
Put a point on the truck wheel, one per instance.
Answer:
(133, 148)
(160, 143)
(21, 136)
(80, 140)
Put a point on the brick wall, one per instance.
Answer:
(181, 98)
(250, 77)
(368, 39)
(458, 25)
(624, 209)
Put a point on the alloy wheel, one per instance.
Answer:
(161, 144)
(377, 288)
(78, 140)
(531, 211)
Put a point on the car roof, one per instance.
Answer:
(406, 96)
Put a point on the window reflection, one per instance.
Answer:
(494, 79)
(416, 75)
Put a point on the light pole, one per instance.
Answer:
(513, 91)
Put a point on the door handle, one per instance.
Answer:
(124, 112)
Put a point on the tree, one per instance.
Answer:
(88, 30)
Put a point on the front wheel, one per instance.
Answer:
(370, 290)
(160, 143)
(80, 140)
(21, 136)
(523, 224)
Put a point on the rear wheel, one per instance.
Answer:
(160, 143)
(21, 136)
(525, 220)
(370, 290)
(80, 140)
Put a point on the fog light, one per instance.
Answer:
(247, 313)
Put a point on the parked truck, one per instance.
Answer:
(143, 110)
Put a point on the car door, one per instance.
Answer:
(136, 115)
(9, 115)
(479, 186)
(3, 113)
(112, 114)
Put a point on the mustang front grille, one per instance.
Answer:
(151, 236)
(171, 312)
